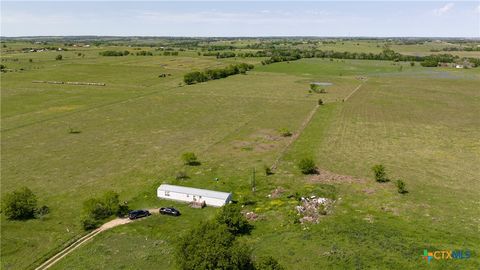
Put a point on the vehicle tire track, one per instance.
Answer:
(88, 109)
(295, 136)
(67, 250)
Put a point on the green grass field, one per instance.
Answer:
(421, 123)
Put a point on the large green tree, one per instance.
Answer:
(212, 246)
(236, 222)
(20, 204)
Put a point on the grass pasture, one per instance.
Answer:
(421, 123)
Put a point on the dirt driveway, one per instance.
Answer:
(111, 224)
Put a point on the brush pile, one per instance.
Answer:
(311, 209)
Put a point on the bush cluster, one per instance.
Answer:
(220, 54)
(96, 210)
(381, 176)
(284, 132)
(114, 53)
(214, 74)
(144, 53)
(167, 53)
(317, 89)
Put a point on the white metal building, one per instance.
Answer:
(188, 194)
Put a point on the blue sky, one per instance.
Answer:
(245, 18)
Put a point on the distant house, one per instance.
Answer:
(458, 66)
(196, 195)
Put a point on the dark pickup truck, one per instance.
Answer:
(169, 211)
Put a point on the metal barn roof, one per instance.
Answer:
(195, 191)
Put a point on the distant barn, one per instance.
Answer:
(197, 195)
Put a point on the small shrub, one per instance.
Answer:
(123, 210)
(285, 132)
(59, 57)
(190, 158)
(316, 88)
(30, 60)
(307, 166)
(268, 170)
(20, 204)
(42, 211)
(320, 102)
(88, 223)
(379, 173)
(412, 64)
(74, 131)
(401, 187)
(268, 263)
(181, 175)
(247, 200)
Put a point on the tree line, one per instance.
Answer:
(214, 74)
(457, 49)
(140, 53)
(220, 54)
(114, 53)
(386, 54)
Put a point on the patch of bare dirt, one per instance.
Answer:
(369, 219)
(389, 209)
(277, 192)
(260, 141)
(325, 176)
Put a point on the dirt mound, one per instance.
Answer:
(325, 176)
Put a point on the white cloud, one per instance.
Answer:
(446, 8)
(478, 9)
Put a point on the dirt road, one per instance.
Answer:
(111, 224)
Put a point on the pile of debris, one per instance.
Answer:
(251, 216)
(277, 192)
(197, 204)
(312, 208)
